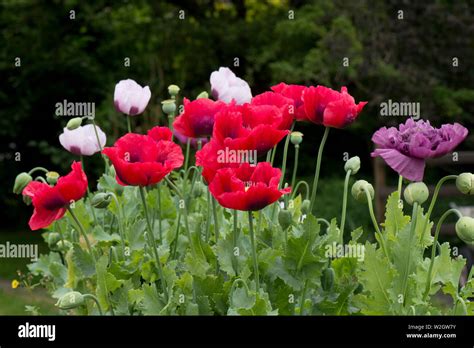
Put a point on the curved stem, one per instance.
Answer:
(274, 151)
(40, 178)
(151, 239)
(344, 204)
(254, 252)
(120, 217)
(375, 223)
(36, 169)
(414, 215)
(318, 167)
(433, 201)
(303, 295)
(433, 248)
(326, 222)
(82, 231)
(186, 157)
(295, 189)
(285, 155)
(295, 165)
(92, 297)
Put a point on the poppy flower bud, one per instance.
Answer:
(359, 188)
(64, 245)
(198, 189)
(21, 181)
(465, 183)
(416, 192)
(296, 138)
(203, 95)
(74, 123)
(52, 177)
(53, 238)
(101, 200)
(305, 206)
(173, 90)
(465, 229)
(352, 164)
(71, 300)
(327, 279)
(284, 218)
(168, 106)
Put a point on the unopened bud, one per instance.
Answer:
(352, 164)
(359, 190)
(284, 218)
(53, 238)
(416, 192)
(74, 123)
(21, 181)
(71, 300)
(101, 200)
(203, 95)
(465, 183)
(465, 229)
(306, 206)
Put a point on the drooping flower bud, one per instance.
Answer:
(198, 189)
(465, 183)
(101, 200)
(52, 177)
(416, 192)
(53, 238)
(327, 279)
(168, 106)
(465, 229)
(296, 138)
(173, 90)
(352, 164)
(203, 95)
(74, 123)
(63, 245)
(21, 181)
(71, 300)
(359, 188)
(284, 218)
(306, 206)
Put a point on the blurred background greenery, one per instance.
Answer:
(182, 42)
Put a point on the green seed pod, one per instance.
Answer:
(168, 106)
(64, 245)
(203, 95)
(352, 164)
(359, 188)
(306, 206)
(296, 138)
(173, 90)
(53, 238)
(52, 178)
(465, 183)
(74, 123)
(416, 192)
(21, 181)
(285, 219)
(71, 300)
(327, 279)
(465, 229)
(101, 200)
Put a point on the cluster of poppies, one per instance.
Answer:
(234, 121)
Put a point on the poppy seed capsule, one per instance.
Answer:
(173, 90)
(168, 106)
(284, 218)
(203, 95)
(74, 123)
(296, 138)
(352, 164)
(21, 181)
(306, 206)
(416, 192)
(52, 178)
(101, 200)
(71, 300)
(359, 188)
(465, 183)
(327, 279)
(465, 229)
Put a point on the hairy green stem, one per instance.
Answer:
(318, 167)
(344, 203)
(254, 252)
(375, 223)
(412, 232)
(295, 165)
(82, 231)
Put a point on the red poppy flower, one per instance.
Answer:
(330, 108)
(197, 120)
(293, 92)
(275, 109)
(142, 160)
(259, 134)
(51, 202)
(247, 188)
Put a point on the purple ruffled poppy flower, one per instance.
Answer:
(406, 148)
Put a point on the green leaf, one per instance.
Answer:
(395, 220)
(152, 303)
(102, 291)
(83, 260)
